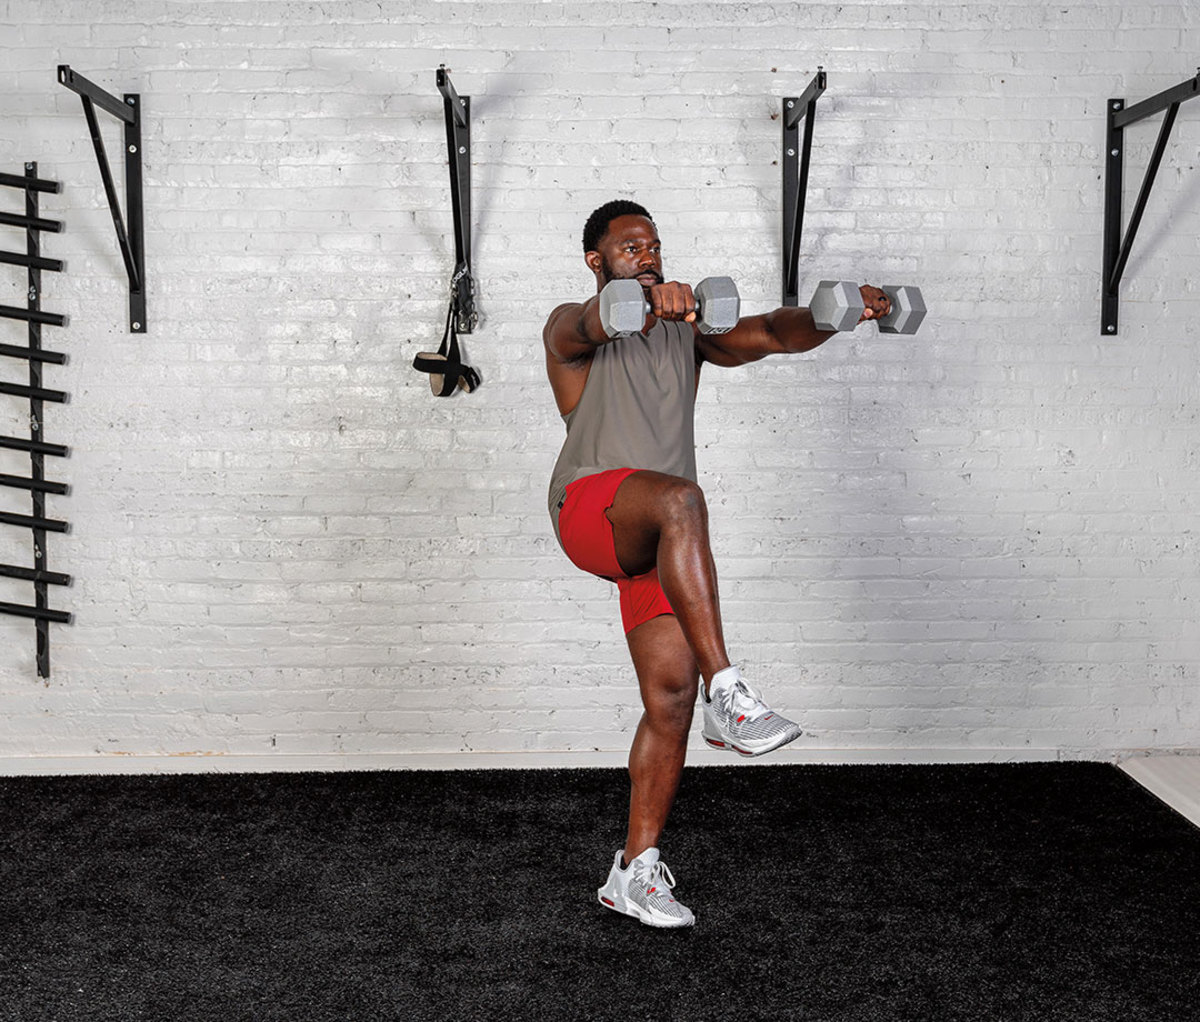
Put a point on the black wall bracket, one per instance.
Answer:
(458, 145)
(130, 239)
(36, 482)
(447, 372)
(1116, 248)
(795, 159)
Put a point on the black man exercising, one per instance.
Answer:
(626, 506)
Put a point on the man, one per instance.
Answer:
(626, 506)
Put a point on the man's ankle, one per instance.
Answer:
(716, 676)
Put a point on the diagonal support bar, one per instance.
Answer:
(795, 161)
(110, 191)
(458, 145)
(129, 228)
(1117, 247)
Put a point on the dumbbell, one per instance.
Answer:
(623, 306)
(838, 305)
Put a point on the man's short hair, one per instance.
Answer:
(597, 224)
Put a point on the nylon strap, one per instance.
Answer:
(445, 367)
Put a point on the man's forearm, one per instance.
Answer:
(794, 330)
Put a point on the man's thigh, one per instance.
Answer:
(642, 505)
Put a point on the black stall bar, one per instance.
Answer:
(37, 394)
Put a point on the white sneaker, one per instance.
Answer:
(736, 718)
(644, 892)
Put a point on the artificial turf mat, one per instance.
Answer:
(991, 892)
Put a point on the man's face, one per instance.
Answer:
(630, 250)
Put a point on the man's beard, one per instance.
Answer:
(607, 271)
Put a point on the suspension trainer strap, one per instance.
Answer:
(445, 366)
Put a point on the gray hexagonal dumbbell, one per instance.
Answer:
(908, 309)
(623, 306)
(718, 306)
(836, 305)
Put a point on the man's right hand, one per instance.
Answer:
(672, 300)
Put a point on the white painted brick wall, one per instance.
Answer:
(982, 538)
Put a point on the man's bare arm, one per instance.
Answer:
(573, 331)
(785, 331)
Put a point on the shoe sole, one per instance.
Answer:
(717, 743)
(628, 909)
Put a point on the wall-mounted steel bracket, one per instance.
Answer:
(1116, 248)
(128, 111)
(795, 159)
(458, 144)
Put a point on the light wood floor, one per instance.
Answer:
(1174, 779)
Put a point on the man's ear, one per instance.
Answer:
(594, 260)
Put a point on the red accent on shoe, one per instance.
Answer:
(607, 902)
(741, 718)
(652, 890)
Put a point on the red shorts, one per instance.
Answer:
(587, 538)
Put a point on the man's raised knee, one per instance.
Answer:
(683, 501)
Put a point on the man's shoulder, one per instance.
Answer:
(560, 337)
(558, 320)
(560, 310)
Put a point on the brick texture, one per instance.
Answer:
(980, 538)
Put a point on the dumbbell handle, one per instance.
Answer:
(838, 305)
(644, 308)
(647, 308)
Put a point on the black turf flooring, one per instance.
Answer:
(989, 892)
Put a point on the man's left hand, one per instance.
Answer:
(876, 304)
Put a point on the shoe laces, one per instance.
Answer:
(659, 876)
(740, 700)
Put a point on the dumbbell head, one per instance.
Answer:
(908, 309)
(718, 306)
(836, 305)
(623, 307)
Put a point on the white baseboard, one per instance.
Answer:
(16, 766)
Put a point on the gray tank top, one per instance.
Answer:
(636, 410)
